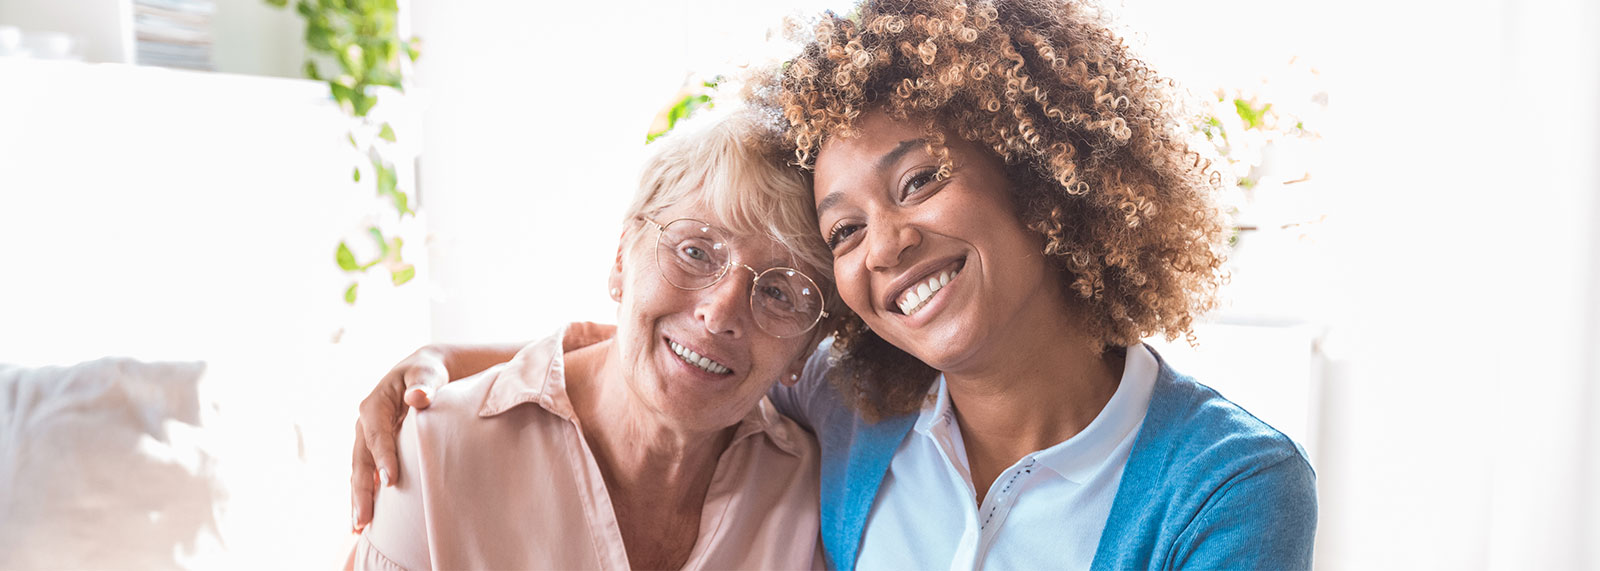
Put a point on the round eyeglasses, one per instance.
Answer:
(693, 255)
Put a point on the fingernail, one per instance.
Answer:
(355, 518)
(419, 396)
(383, 477)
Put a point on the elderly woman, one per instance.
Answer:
(648, 444)
(1010, 207)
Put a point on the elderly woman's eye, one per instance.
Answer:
(699, 257)
(776, 295)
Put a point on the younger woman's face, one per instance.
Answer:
(942, 268)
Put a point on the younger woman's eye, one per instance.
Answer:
(918, 180)
(840, 233)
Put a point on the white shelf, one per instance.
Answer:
(250, 37)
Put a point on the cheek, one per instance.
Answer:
(852, 281)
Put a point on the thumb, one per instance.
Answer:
(420, 384)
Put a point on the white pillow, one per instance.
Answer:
(101, 466)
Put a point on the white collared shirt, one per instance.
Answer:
(1046, 511)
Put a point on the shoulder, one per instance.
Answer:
(1208, 484)
(783, 437)
(457, 402)
(1208, 435)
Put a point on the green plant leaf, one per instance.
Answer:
(344, 95)
(1252, 116)
(383, 245)
(364, 103)
(387, 133)
(346, 258)
(683, 109)
(387, 180)
(403, 275)
(350, 294)
(402, 204)
(355, 174)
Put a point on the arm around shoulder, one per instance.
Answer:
(1265, 519)
(397, 538)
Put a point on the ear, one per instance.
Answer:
(791, 377)
(614, 281)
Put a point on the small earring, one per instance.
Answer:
(793, 377)
(616, 293)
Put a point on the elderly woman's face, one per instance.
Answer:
(937, 267)
(698, 357)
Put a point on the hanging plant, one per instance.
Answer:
(358, 41)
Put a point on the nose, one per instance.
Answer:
(724, 306)
(887, 240)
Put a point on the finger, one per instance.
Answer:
(380, 420)
(420, 396)
(421, 381)
(362, 491)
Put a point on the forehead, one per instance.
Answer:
(873, 134)
(847, 161)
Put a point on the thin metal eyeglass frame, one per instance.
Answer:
(755, 279)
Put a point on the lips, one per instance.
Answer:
(916, 288)
(695, 359)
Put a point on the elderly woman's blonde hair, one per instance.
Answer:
(733, 161)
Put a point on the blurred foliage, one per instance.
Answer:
(363, 55)
(1258, 136)
(689, 102)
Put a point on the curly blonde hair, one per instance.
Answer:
(1094, 144)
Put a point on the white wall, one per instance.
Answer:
(101, 26)
(535, 121)
(254, 38)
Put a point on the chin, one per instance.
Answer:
(940, 347)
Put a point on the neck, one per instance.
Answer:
(1047, 386)
(647, 462)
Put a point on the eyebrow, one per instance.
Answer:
(884, 162)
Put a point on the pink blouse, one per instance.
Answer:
(497, 475)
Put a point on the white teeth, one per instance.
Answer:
(916, 297)
(697, 359)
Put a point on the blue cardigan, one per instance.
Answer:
(1207, 485)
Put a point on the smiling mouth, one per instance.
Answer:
(688, 355)
(918, 295)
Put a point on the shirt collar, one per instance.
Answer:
(537, 374)
(1078, 458)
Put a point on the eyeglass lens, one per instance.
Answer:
(693, 255)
